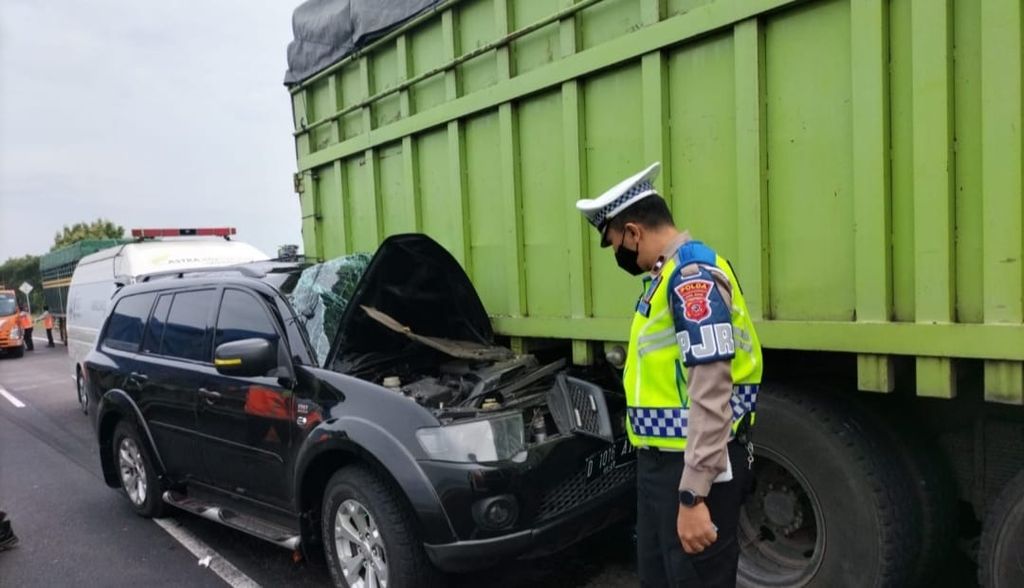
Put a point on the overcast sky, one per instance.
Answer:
(151, 114)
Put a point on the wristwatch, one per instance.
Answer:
(689, 498)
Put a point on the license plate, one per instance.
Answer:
(615, 455)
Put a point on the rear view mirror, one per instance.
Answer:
(246, 358)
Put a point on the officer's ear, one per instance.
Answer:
(634, 231)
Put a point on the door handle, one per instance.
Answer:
(136, 379)
(209, 396)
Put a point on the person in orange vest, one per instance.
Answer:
(47, 320)
(25, 322)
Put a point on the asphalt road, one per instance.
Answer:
(74, 530)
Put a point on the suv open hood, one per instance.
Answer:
(419, 284)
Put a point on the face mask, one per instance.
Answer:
(627, 259)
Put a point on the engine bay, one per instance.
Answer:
(411, 322)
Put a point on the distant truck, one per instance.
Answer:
(56, 268)
(11, 342)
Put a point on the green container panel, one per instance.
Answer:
(57, 267)
(69, 256)
(859, 162)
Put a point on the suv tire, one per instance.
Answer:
(139, 480)
(366, 521)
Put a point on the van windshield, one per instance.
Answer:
(7, 305)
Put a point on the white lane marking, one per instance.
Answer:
(40, 385)
(22, 385)
(17, 403)
(220, 566)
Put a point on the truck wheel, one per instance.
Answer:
(828, 506)
(139, 480)
(1001, 558)
(370, 537)
(18, 351)
(932, 491)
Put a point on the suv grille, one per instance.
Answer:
(586, 413)
(578, 490)
(579, 407)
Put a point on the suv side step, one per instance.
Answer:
(218, 513)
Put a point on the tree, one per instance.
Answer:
(16, 270)
(99, 229)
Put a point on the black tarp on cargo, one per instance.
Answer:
(328, 30)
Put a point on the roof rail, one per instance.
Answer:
(245, 270)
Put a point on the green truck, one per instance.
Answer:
(56, 269)
(858, 161)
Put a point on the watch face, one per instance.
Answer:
(687, 498)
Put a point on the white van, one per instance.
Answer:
(99, 275)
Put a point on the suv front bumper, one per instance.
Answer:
(553, 535)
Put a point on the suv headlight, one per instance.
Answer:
(493, 439)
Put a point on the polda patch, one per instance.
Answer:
(696, 298)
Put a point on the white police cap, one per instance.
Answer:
(599, 211)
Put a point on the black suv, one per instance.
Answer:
(417, 444)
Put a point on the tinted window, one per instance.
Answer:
(155, 329)
(185, 333)
(242, 316)
(124, 330)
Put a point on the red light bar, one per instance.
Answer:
(202, 232)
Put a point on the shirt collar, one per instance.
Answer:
(669, 251)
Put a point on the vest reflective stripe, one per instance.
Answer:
(657, 344)
(744, 400)
(659, 422)
(670, 332)
(673, 422)
(654, 378)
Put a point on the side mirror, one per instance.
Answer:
(246, 358)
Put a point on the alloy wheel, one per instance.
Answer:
(133, 471)
(360, 547)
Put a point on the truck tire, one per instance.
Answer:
(139, 480)
(932, 491)
(829, 502)
(366, 520)
(1001, 557)
(18, 352)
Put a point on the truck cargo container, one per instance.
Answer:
(56, 269)
(858, 161)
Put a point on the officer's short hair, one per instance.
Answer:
(651, 212)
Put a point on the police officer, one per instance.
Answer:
(691, 378)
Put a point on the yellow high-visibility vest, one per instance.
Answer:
(655, 373)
